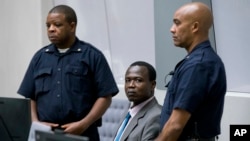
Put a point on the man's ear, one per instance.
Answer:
(153, 84)
(73, 26)
(195, 26)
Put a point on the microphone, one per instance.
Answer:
(165, 80)
(171, 73)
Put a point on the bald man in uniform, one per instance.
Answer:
(193, 105)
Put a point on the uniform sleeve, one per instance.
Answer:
(104, 79)
(27, 86)
(192, 87)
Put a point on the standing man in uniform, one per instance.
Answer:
(68, 81)
(194, 102)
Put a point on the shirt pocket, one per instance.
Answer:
(43, 80)
(77, 78)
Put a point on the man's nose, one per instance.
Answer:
(172, 29)
(51, 28)
(132, 83)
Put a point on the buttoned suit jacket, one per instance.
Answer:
(145, 125)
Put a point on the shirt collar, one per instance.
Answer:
(133, 111)
(200, 46)
(52, 48)
(203, 44)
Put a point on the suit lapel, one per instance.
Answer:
(134, 122)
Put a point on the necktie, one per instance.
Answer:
(120, 131)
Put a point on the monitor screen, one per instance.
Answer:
(52, 136)
(15, 119)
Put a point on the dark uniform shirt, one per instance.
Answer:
(198, 86)
(66, 85)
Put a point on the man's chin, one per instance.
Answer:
(178, 45)
(54, 42)
(131, 99)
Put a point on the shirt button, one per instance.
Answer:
(58, 95)
(59, 69)
(58, 82)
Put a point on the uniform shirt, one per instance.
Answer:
(66, 85)
(198, 86)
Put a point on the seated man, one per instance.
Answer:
(144, 113)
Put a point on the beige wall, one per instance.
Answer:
(22, 28)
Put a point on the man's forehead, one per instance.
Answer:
(137, 70)
(56, 16)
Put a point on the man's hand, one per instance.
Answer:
(75, 128)
(52, 125)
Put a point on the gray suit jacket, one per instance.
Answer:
(145, 126)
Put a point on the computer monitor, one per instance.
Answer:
(15, 119)
(52, 136)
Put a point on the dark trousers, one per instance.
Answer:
(210, 139)
(92, 133)
(202, 139)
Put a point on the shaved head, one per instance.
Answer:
(198, 12)
(191, 24)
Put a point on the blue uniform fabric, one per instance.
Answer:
(198, 86)
(66, 85)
